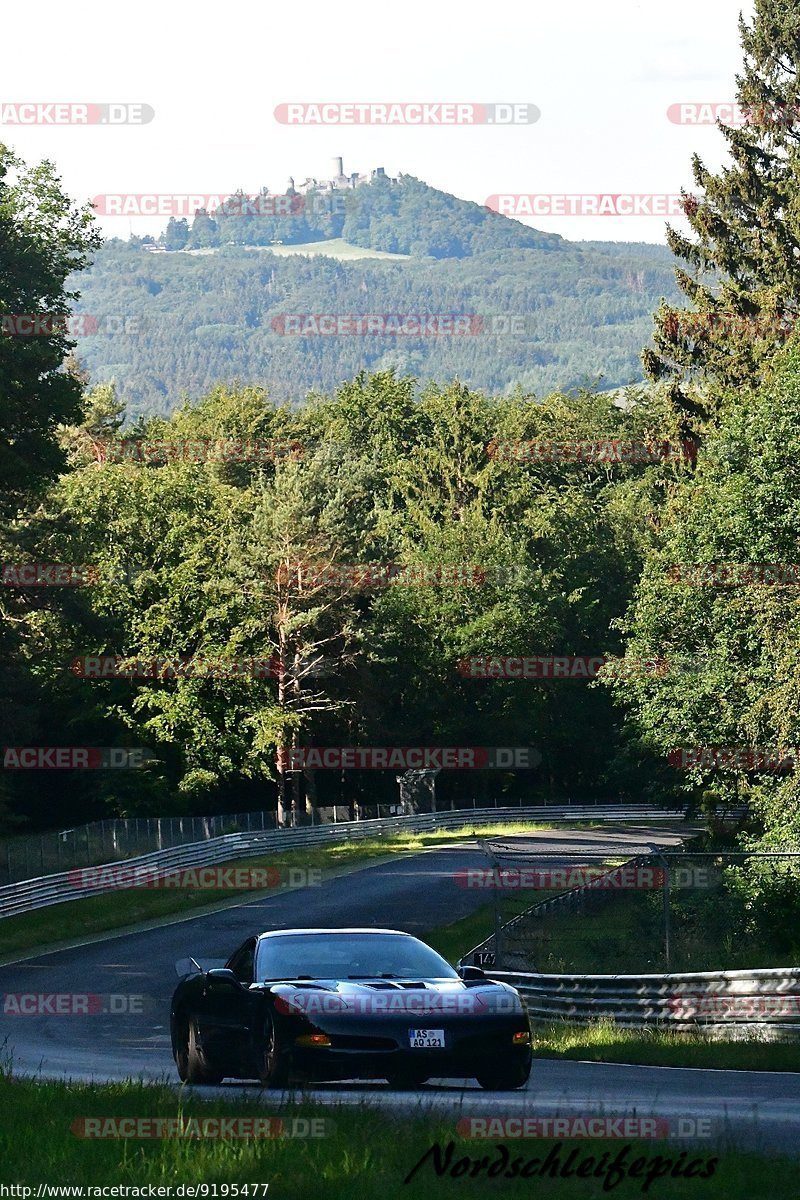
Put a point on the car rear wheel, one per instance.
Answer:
(275, 1063)
(190, 1058)
(505, 1077)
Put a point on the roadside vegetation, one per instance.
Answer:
(604, 1041)
(624, 935)
(368, 1152)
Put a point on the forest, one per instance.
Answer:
(545, 313)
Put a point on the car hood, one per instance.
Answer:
(425, 998)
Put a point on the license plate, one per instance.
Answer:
(426, 1039)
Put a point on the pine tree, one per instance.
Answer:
(744, 261)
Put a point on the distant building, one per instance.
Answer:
(338, 182)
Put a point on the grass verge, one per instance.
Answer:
(625, 936)
(367, 1153)
(335, 248)
(454, 940)
(605, 1042)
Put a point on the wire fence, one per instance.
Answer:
(112, 840)
(665, 909)
(33, 856)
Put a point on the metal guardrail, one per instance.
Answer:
(717, 1002)
(64, 886)
(29, 856)
(35, 854)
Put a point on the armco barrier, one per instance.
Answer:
(29, 856)
(59, 888)
(764, 1001)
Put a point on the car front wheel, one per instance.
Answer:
(190, 1058)
(275, 1062)
(505, 1077)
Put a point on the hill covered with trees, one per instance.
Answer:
(544, 313)
(404, 216)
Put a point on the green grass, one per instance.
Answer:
(335, 248)
(367, 1154)
(78, 919)
(625, 936)
(454, 940)
(605, 1042)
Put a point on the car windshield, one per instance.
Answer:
(349, 955)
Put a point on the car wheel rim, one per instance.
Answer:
(270, 1052)
(182, 1049)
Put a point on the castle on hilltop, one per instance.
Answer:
(339, 182)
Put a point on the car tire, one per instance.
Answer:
(190, 1059)
(275, 1062)
(507, 1077)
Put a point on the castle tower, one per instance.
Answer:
(338, 167)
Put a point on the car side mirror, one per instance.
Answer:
(222, 975)
(471, 973)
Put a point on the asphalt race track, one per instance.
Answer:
(755, 1109)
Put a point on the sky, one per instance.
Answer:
(602, 76)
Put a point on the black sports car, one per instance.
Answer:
(344, 1004)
